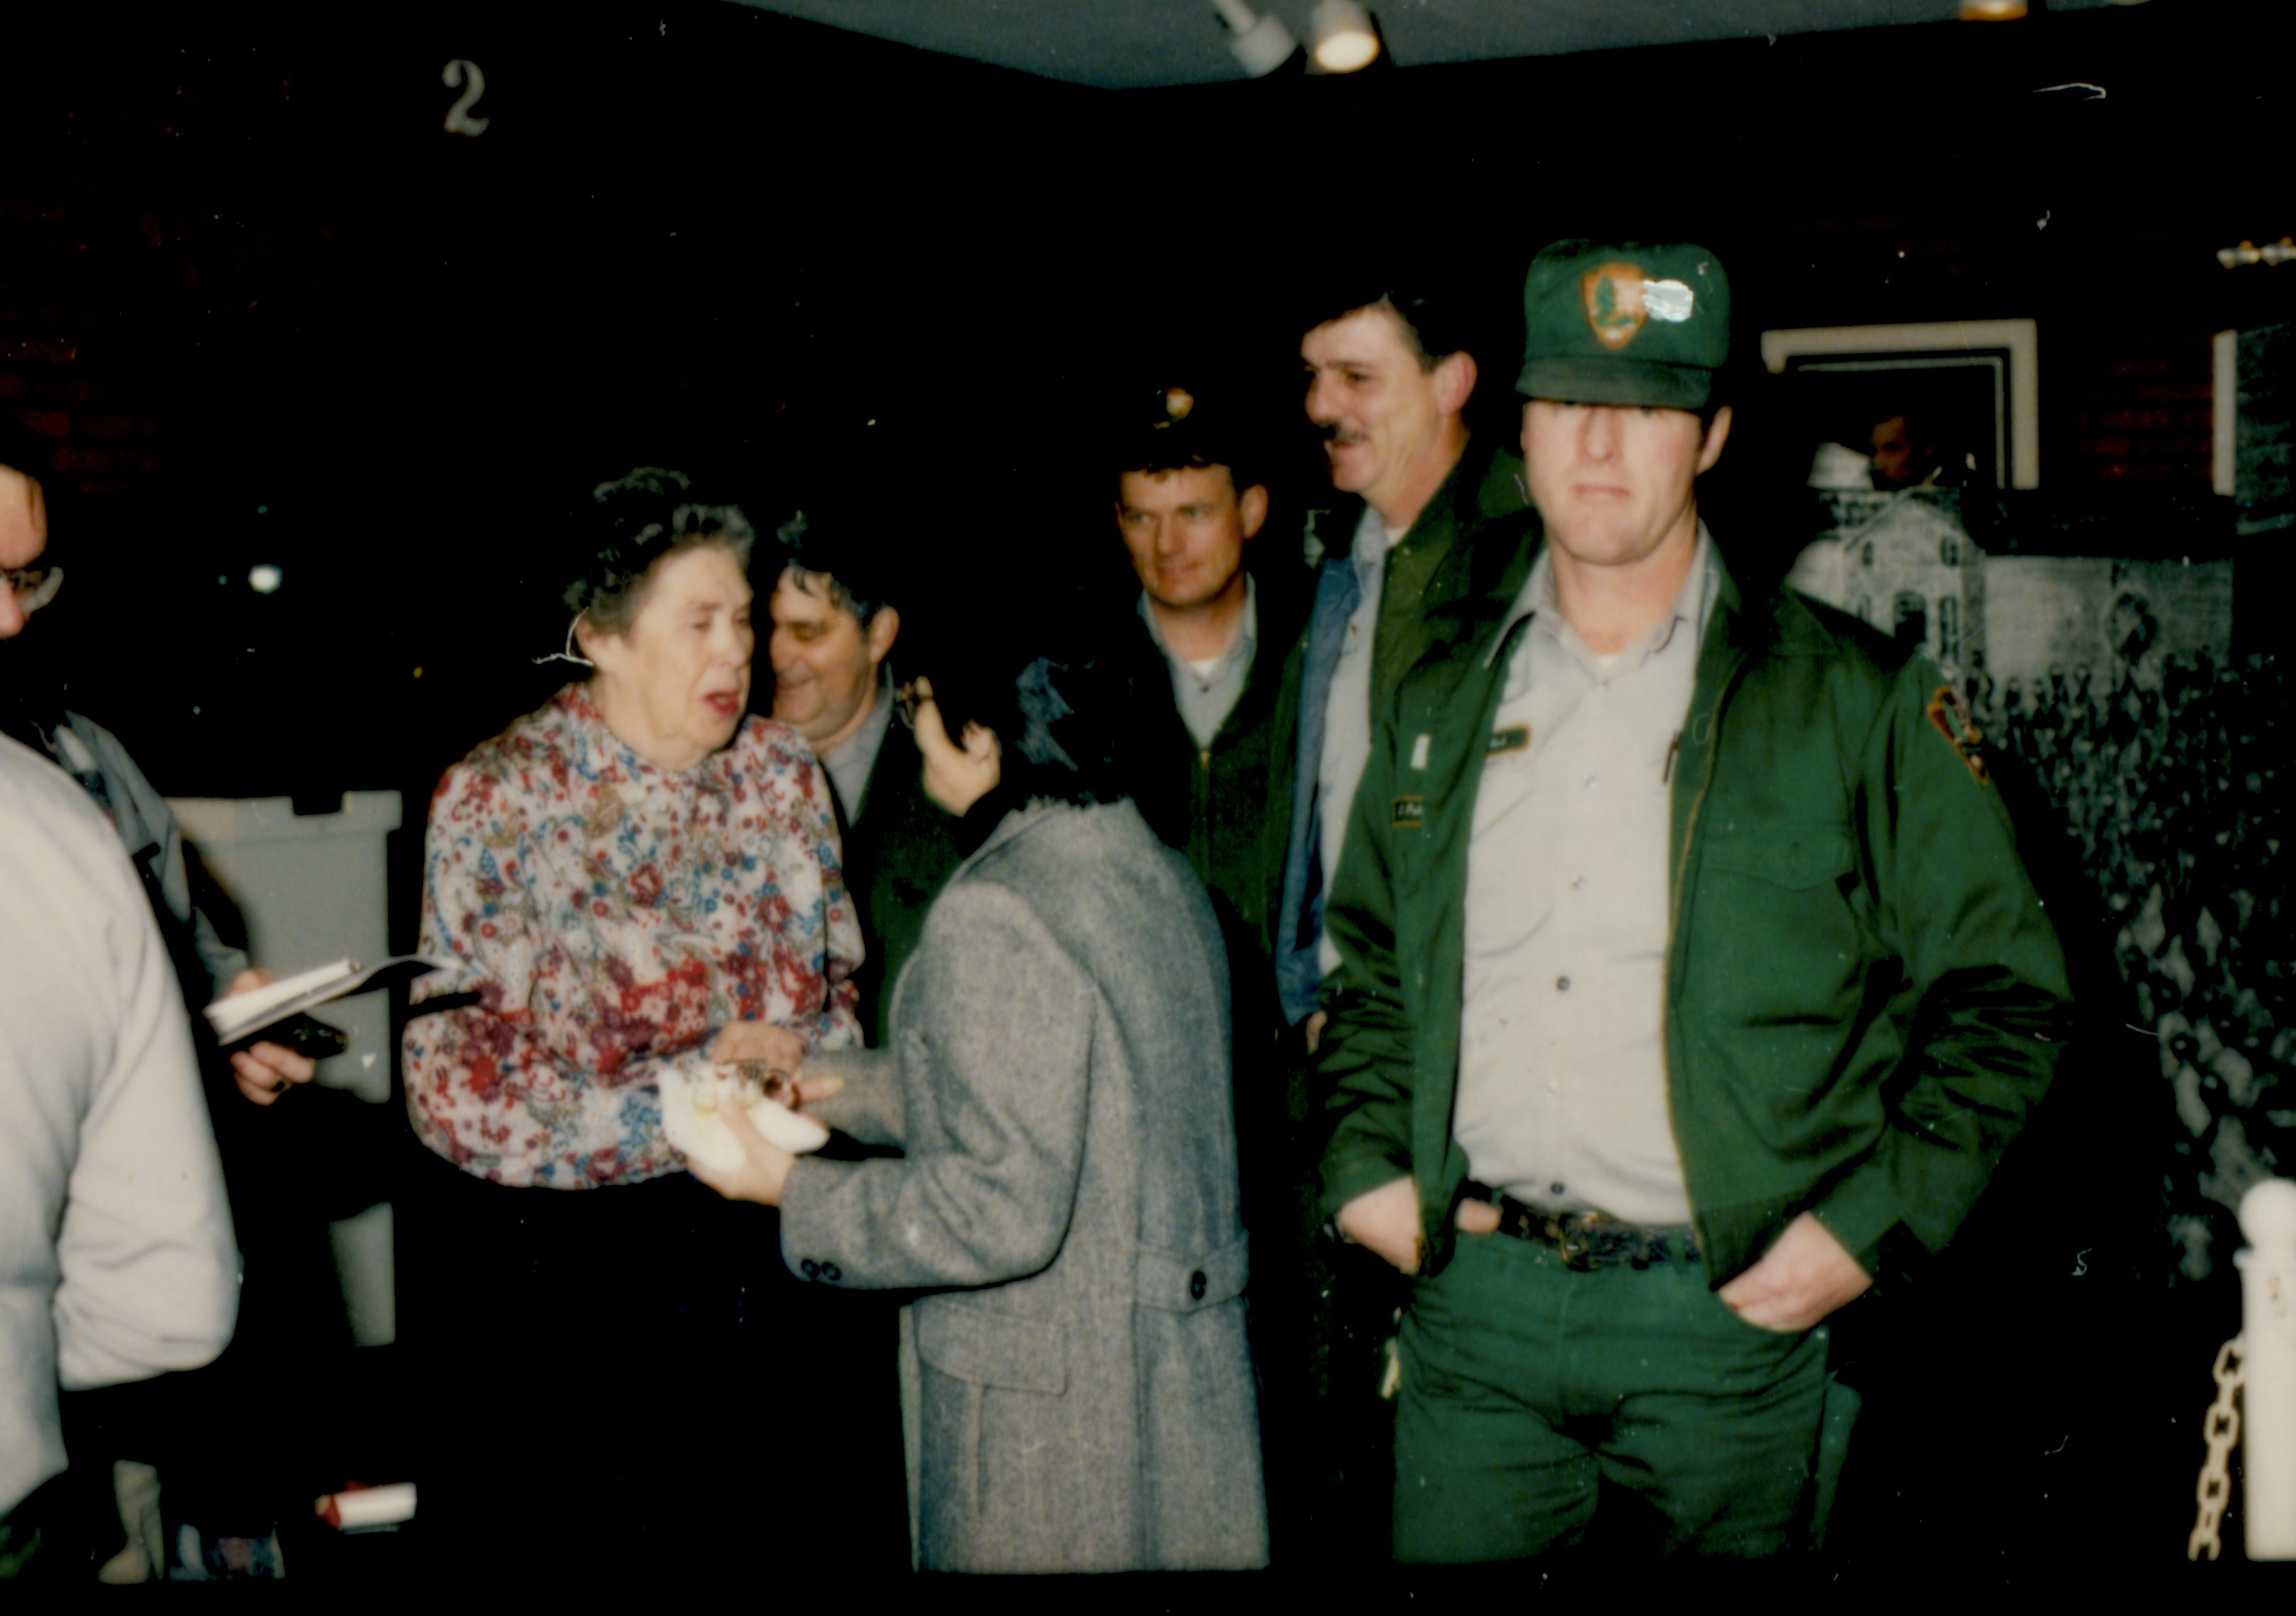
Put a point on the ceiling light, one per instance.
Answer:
(1347, 38)
(1262, 44)
(1992, 11)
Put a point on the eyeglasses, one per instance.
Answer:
(905, 698)
(34, 587)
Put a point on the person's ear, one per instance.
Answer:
(608, 651)
(1455, 382)
(1717, 435)
(1252, 507)
(884, 628)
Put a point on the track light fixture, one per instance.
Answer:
(1347, 36)
(1262, 43)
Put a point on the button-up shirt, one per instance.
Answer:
(1562, 1087)
(1347, 715)
(849, 765)
(1207, 692)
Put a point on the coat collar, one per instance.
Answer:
(1776, 623)
(1485, 484)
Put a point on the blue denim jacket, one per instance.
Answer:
(1300, 927)
(1483, 494)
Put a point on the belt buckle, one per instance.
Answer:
(1573, 1243)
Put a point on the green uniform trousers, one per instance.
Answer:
(1530, 1391)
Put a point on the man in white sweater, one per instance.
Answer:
(116, 1260)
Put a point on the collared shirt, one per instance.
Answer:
(1562, 1086)
(849, 765)
(1207, 692)
(1347, 715)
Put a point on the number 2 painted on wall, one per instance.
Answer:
(459, 121)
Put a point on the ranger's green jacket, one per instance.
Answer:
(1864, 998)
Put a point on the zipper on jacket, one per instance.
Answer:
(1674, 909)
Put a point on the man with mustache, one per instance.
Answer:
(1690, 981)
(1390, 375)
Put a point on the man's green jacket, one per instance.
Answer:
(1864, 998)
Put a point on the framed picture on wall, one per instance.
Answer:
(1952, 402)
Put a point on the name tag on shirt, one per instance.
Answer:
(1410, 813)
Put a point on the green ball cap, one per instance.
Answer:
(1634, 323)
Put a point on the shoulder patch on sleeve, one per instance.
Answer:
(1950, 718)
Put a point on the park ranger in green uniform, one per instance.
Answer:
(1690, 979)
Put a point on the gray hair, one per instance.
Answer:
(634, 523)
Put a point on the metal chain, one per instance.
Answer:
(2222, 1429)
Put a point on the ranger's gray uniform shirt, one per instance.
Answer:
(1563, 1091)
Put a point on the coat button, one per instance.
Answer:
(1197, 1285)
(809, 1268)
(831, 1272)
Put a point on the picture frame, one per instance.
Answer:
(1977, 382)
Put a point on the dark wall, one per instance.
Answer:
(263, 308)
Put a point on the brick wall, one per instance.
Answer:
(61, 378)
(2130, 405)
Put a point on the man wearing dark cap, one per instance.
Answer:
(1689, 982)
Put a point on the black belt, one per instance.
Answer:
(1587, 1241)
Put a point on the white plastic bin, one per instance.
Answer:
(314, 888)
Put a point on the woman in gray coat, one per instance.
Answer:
(1076, 1389)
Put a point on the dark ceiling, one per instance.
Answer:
(1138, 43)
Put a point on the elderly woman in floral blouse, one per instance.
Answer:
(637, 878)
(640, 874)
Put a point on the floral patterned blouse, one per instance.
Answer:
(613, 917)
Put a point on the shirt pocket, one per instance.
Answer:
(1777, 940)
(1795, 857)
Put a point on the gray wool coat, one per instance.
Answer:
(1077, 1393)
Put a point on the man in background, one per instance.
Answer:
(116, 1255)
(1217, 649)
(834, 627)
(33, 711)
(1389, 373)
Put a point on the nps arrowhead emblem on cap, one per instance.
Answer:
(1614, 303)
